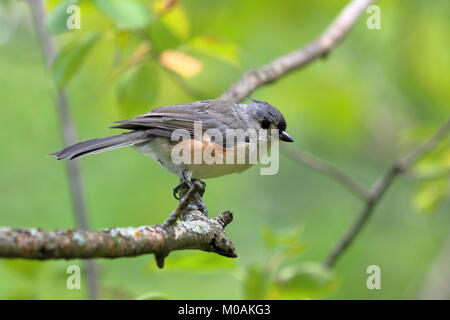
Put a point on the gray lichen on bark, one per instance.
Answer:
(187, 228)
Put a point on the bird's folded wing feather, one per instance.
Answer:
(164, 120)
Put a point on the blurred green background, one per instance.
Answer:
(372, 100)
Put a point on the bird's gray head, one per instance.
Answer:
(268, 117)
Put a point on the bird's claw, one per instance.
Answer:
(176, 191)
(184, 187)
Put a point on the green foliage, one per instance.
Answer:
(173, 17)
(289, 240)
(137, 88)
(128, 15)
(222, 49)
(434, 180)
(255, 283)
(284, 278)
(71, 58)
(431, 195)
(157, 27)
(307, 281)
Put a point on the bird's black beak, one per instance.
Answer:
(285, 137)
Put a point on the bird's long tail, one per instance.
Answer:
(101, 144)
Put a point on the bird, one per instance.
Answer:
(152, 134)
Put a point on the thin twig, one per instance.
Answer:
(380, 188)
(423, 149)
(329, 170)
(321, 47)
(69, 136)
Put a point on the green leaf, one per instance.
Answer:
(308, 281)
(138, 88)
(129, 15)
(288, 239)
(219, 48)
(71, 58)
(162, 37)
(431, 194)
(435, 163)
(174, 18)
(255, 283)
(57, 19)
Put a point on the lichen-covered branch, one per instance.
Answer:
(279, 67)
(187, 227)
(197, 231)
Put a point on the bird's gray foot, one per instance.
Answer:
(180, 190)
(196, 202)
(193, 202)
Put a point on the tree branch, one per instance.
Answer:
(380, 188)
(279, 67)
(329, 170)
(195, 231)
(198, 232)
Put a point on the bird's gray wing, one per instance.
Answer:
(212, 114)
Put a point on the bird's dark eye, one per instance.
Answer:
(265, 124)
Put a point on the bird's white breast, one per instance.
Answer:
(160, 149)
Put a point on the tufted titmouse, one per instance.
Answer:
(165, 130)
